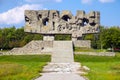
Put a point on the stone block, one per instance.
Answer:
(82, 43)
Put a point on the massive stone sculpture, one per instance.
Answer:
(50, 22)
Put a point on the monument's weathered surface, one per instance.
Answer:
(52, 22)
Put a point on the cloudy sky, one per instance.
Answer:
(12, 11)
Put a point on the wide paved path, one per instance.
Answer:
(60, 76)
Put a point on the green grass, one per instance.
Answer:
(22, 67)
(84, 49)
(102, 67)
(27, 67)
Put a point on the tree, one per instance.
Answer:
(62, 37)
(93, 38)
(111, 37)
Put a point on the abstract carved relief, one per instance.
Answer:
(54, 22)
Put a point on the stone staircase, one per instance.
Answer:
(33, 47)
(62, 52)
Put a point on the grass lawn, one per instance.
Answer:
(22, 67)
(102, 68)
(84, 49)
(27, 67)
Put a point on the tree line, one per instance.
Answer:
(16, 37)
(107, 38)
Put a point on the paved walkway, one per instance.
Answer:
(60, 76)
(62, 71)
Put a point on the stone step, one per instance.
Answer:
(62, 52)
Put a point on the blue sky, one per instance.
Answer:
(12, 11)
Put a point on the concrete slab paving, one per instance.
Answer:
(62, 66)
(60, 76)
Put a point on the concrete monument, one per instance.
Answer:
(50, 22)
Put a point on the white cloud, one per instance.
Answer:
(106, 1)
(86, 1)
(16, 15)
